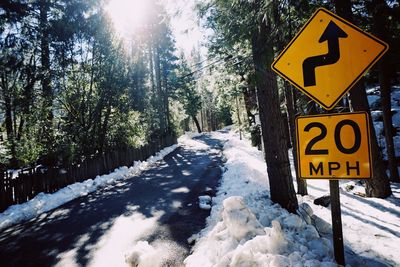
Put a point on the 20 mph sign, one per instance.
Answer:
(334, 146)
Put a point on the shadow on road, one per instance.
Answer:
(170, 188)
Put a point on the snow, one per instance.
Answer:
(205, 202)
(46, 202)
(246, 229)
(371, 226)
(144, 254)
(180, 190)
(376, 113)
(114, 247)
(240, 222)
(187, 141)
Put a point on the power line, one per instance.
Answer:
(227, 58)
(208, 65)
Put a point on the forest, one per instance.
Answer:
(71, 87)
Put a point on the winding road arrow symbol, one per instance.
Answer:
(331, 34)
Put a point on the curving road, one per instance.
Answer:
(159, 206)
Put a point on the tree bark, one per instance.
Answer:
(202, 117)
(45, 75)
(250, 102)
(153, 90)
(379, 11)
(104, 129)
(9, 121)
(384, 80)
(166, 99)
(275, 145)
(301, 183)
(196, 121)
(238, 117)
(378, 185)
(159, 99)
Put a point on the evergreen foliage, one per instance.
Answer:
(70, 87)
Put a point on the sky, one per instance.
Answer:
(129, 14)
(185, 26)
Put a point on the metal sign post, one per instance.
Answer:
(334, 146)
(336, 222)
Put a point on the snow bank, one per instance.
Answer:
(45, 202)
(239, 239)
(370, 226)
(143, 254)
(158, 253)
(188, 141)
(246, 229)
(240, 222)
(205, 202)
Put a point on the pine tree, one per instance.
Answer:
(378, 185)
(380, 12)
(254, 26)
(186, 92)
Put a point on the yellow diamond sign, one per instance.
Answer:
(327, 57)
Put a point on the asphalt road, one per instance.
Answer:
(91, 230)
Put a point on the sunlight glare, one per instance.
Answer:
(128, 15)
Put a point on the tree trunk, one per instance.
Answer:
(152, 86)
(45, 75)
(250, 102)
(202, 117)
(276, 152)
(384, 80)
(166, 100)
(213, 121)
(238, 117)
(209, 120)
(197, 124)
(378, 185)
(311, 106)
(379, 11)
(301, 183)
(27, 97)
(97, 121)
(104, 129)
(159, 98)
(9, 122)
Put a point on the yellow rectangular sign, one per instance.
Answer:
(334, 146)
(327, 57)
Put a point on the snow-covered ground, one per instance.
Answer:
(246, 229)
(374, 100)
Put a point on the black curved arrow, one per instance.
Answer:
(331, 34)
